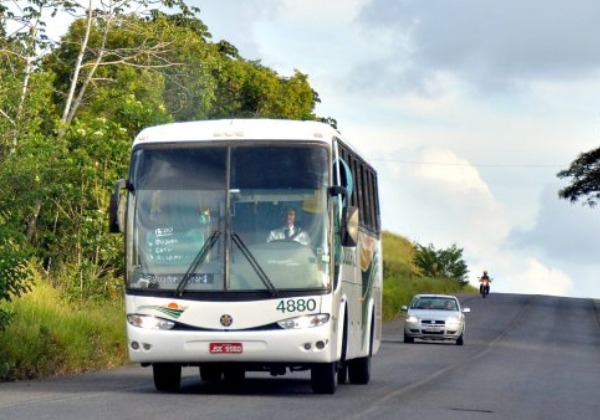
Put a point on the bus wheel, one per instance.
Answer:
(359, 370)
(167, 376)
(323, 378)
(210, 373)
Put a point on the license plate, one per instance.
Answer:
(226, 348)
(433, 329)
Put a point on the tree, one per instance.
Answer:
(20, 53)
(14, 272)
(443, 263)
(585, 179)
(247, 89)
(91, 42)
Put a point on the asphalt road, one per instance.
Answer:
(525, 357)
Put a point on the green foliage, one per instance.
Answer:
(443, 263)
(402, 279)
(49, 337)
(584, 173)
(249, 90)
(14, 269)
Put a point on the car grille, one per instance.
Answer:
(426, 322)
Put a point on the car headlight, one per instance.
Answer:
(453, 321)
(149, 322)
(306, 321)
(412, 319)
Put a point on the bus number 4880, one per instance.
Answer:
(297, 305)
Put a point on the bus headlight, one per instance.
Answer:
(149, 322)
(306, 321)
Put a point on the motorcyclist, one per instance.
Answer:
(485, 281)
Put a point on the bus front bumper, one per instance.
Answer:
(309, 345)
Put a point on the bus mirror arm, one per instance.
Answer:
(338, 190)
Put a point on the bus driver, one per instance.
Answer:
(290, 231)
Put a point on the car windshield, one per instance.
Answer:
(229, 197)
(434, 303)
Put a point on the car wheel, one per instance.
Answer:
(460, 340)
(408, 339)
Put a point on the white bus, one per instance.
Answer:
(211, 279)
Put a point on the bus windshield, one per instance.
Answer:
(228, 218)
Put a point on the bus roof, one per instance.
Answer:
(237, 129)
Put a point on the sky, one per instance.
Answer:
(467, 109)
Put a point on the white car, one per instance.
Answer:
(434, 317)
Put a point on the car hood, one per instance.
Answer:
(433, 314)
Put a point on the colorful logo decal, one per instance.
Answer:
(370, 265)
(366, 250)
(172, 309)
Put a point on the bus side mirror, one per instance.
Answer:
(349, 226)
(116, 222)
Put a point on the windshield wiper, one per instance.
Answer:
(255, 265)
(198, 261)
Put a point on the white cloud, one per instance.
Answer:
(445, 168)
(238, 21)
(563, 231)
(530, 276)
(440, 198)
(330, 13)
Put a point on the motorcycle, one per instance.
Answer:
(484, 287)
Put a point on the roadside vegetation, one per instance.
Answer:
(51, 336)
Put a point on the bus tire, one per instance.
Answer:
(167, 377)
(359, 370)
(323, 378)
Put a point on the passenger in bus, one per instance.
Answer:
(290, 231)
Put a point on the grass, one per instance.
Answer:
(49, 336)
